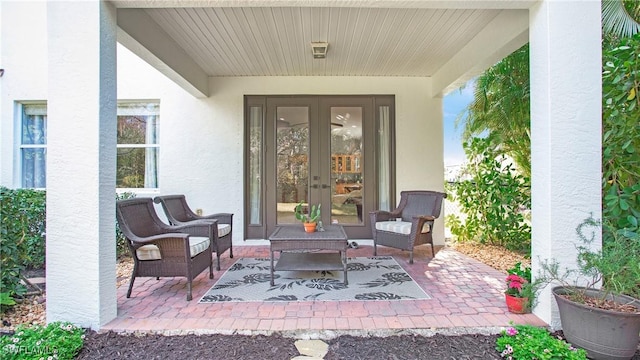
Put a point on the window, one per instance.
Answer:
(137, 164)
(33, 145)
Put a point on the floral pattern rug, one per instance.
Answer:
(370, 278)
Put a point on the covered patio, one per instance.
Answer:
(466, 297)
(202, 132)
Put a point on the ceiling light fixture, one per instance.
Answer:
(319, 49)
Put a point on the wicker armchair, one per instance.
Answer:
(410, 224)
(159, 249)
(179, 213)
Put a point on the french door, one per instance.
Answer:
(317, 150)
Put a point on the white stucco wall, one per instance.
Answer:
(201, 140)
(81, 163)
(23, 57)
(566, 120)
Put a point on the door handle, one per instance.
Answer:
(325, 186)
(314, 186)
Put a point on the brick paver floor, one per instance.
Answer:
(465, 294)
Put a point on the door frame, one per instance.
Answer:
(319, 108)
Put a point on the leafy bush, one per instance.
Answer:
(621, 138)
(495, 199)
(620, 166)
(525, 342)
(121, 241)
(58, 340)
(22, 229)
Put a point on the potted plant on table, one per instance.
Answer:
(520, 292)
(309, 220)
(603, 316)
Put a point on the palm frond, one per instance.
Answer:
(619, 19)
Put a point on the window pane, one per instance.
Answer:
(292, 146)
(34, 128)
(34, 163)
(137, 168)
(384, 160)
(137, 163)
(255, 163)
(137, 129)
(346, 170)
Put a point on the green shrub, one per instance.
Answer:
(495, 199)
(621, 139)
(58, 340)
(525, 342)
(121, 242)
(22, 232)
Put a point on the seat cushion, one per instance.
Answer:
(399, 227)
(223, 229)
(197, 244)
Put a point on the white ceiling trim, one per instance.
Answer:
(492, 44)
(395, 4)
(144, 37)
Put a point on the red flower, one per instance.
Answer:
(515, 285)
(515, 278)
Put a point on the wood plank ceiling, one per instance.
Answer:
(234, 41)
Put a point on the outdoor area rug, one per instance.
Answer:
(370, 278)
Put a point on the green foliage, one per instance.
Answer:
(495, 199)
(22, 237)
(313, 215)
(613, 270)
(525, 342)
(621, 17)
(500, 108)
(618, 262)
(58, 340)
(621, 138)
(6, 299)
(121, 241)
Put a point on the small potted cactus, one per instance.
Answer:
(309, 220)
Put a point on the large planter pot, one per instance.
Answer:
(604, 334)
(516, 305)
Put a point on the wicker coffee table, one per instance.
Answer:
(296, 249)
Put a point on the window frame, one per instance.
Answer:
(20, 146)
(156, 145)
(19, 177)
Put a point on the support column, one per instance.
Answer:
(81, 163)
(566, 117)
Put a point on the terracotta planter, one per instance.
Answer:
(516, 305)
(605, 334)
(309, 227)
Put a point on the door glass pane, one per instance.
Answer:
(346, 165)
(384, 159)
(292, 152)
(255, 164)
